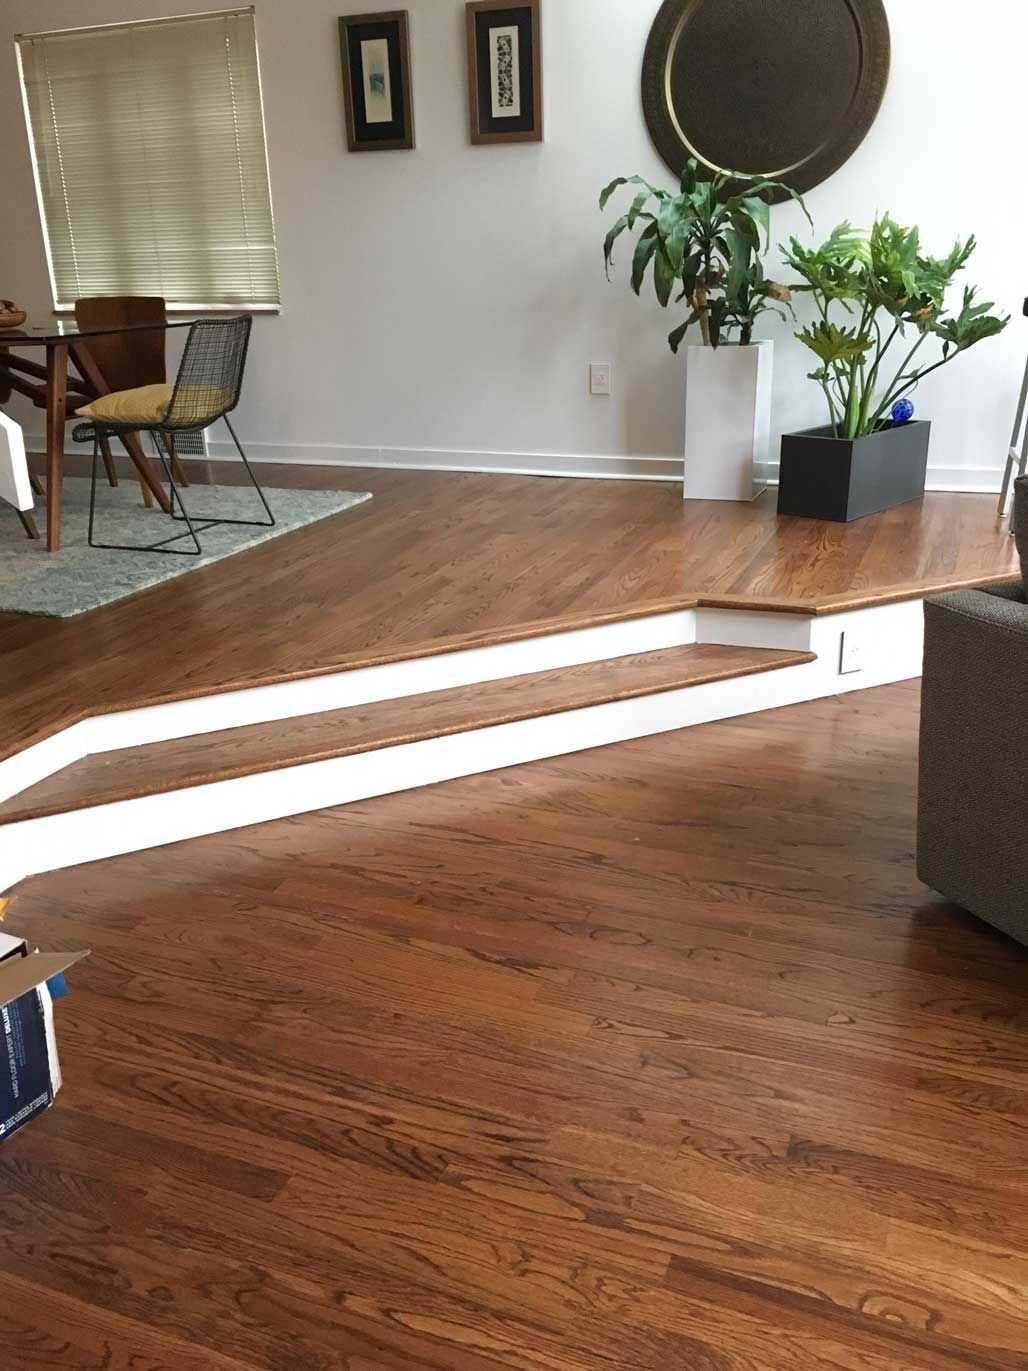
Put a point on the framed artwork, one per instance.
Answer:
(376, 81)
(505, 71)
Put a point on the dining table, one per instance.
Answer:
(51, 386)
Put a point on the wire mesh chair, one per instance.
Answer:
(210, 377)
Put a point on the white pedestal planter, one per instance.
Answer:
(727, 419)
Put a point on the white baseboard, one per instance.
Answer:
(959, 480)
(595, 466)
(592, 466)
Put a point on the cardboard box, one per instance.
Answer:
(30, 1075)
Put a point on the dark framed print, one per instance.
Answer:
(376, 81)
(505, 71)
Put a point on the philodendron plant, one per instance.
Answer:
(703, 242)
(890, 290)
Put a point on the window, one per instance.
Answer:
(150, 161)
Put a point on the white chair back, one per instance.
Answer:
(15, 486)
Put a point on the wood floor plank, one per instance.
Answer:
(654, 1056)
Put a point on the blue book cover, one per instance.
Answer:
(25, 1081)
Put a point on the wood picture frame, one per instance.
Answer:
(505, 71)
(377, 89)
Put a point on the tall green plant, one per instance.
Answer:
(706, 239)
(891, 290)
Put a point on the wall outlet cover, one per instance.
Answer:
(851, 653)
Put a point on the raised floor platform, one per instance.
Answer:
(440, 561)
(455, 624)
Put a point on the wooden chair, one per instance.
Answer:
(126, 360)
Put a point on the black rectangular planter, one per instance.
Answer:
(821, 477)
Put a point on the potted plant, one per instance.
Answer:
(870, 455)
(703, 245)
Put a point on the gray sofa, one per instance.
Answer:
(972, 832)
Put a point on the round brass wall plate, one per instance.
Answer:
(780, 88)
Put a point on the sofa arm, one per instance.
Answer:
(973, 796)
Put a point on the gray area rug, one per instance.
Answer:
(79, 578)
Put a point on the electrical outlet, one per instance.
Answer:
(601, 378)
(851, 653)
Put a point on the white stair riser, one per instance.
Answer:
(342, 690)
(395, 680)
(36, 845)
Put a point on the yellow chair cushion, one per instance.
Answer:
(143, 405)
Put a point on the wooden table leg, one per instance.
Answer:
(134, 448)
(56, 397)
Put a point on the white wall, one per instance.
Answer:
(447, 301)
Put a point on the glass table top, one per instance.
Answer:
(41, 331)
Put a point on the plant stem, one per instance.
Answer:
(872, 379)
(896, 387)
(699, 304)
(831, 409)
(853, 399)
(891, 388)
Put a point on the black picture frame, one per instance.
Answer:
(516, 25)
(389, 126)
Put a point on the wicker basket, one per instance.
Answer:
(10, 315)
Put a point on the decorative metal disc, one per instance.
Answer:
(780, 88)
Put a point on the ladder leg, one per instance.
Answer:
(1012, 450)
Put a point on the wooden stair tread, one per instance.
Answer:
(153, 768)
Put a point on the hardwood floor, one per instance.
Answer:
(439, 560)
(657, 1056)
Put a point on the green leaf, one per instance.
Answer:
(608, 191)
(620, 181)
(664, 276)
(751, 215)
(688, 183)
(832, 344)
(644, 250)
(638, 204)
(675, 224)
(611, 239)
(972, 325)
(717, 317)
(739, 247)
(745, 228)
(677, 334)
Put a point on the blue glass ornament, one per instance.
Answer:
(902, 411)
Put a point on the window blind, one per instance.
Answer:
(151, 165)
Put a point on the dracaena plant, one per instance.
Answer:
(703, 245)
(886, 293)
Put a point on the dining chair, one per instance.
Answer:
(15, 484)
(126, 360)
(206, 389)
